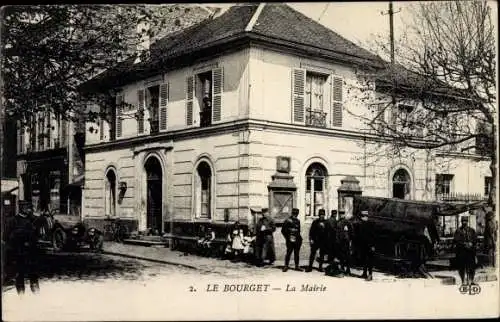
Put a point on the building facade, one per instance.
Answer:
(250, 109)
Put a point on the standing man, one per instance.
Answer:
(465, 246)
(344, 238)
(318, 239)
(490, 237)
(22, 240)
(331, 224)
(291, 232)
(367, 245)
(264, 239)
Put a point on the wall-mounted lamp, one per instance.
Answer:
(122, 185)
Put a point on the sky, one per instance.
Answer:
(359, 22)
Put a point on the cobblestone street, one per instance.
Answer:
(108, 287)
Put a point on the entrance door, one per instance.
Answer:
(154, 196)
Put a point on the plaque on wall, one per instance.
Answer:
(283, 164)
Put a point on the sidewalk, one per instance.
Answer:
(205, 265)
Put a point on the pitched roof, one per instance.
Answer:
(275, 23)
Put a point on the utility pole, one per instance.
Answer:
(391, 30)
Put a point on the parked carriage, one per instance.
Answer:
(406, 231)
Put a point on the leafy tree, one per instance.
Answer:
(48, 51)
(443, 82)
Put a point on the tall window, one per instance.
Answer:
(443, 184)
(203, 190)
(401, 185)
(205, 98)
(316, 176)
(488, 181)
(110, 193)
(152, 104)
(315, 99)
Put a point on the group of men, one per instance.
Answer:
(332, 238)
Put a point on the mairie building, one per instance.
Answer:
(249, 108)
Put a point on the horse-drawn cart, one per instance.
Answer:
(406, 231)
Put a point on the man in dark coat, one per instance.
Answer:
(490, 237)
(344, 242)
(331, 224)
(22, 242)
(465, 246)
(367, 245)
(293, 238)
(318, 240)
(264, 240)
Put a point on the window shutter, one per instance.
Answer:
(119, 108)
(381, 118)
(164, 95)
(20, 140)
(140, 111)
(298, 94)
(189, 100)
(217, 89)
(101, 128)
(337, 84)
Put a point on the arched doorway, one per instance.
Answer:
(110, 193)
(401, 184)
(316, 188)
(154, 196)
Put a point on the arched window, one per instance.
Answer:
(316, 176)
(203, 190)
(110, 193)
(401, 184)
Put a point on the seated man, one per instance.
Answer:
(205, 243)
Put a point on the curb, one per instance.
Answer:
(161, 261)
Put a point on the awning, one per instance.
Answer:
(77, 182)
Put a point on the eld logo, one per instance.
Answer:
(470, 289)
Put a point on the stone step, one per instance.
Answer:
(141, 242)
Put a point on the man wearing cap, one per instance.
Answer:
(366, 243)
(291, 232)
(465, 246)
(318, 235)
(344, 242)
(490, 237)
(264, 241)
(331, 224)
(22, 240)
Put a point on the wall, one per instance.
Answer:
(271, 87)
(234, 97)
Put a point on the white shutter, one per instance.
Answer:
(217, 89)
(337, 105)
(119, 109)
(197, 194)
(189, 100)
(164, 96)
(140, 111)
(298, 95)
(20, 137)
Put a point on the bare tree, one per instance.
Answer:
(440, 94)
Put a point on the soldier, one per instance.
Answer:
(332, 229)
(367, 248)
(318, 239)
(291, 232)
(490, 237)
(22, 240)
(465, 246)
(264, 240)
(344, 242)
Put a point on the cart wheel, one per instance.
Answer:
(58, 239)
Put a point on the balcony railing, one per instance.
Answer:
(460, 197)
(315, 118)
(154, 126)
(206, 117)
